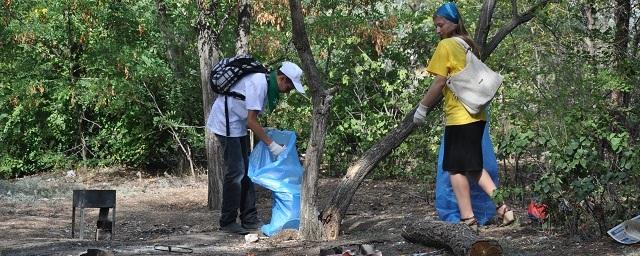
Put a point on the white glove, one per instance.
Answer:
(421, 114)
(275, 148)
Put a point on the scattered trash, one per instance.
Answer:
(169, 248)
(347, 253)
(363, 250)
(537, 211)
(331, 251)
(366, 249)
(628, 232)
(250, 238)
(70, 174)
(97, 252)
(436, 252)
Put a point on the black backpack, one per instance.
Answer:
(228, 71)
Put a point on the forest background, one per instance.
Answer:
(89, 83)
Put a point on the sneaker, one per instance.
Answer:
(234, 228)
(253, 226)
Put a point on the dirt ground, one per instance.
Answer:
(158, 211)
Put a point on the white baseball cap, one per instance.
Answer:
(293, 72)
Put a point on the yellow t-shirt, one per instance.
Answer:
(448, 59)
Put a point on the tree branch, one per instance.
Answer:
(185, 149)
(301, 43)
(484, 23)
(507, 28)
(222, 23)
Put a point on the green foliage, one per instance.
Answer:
(560, 139)
(72, 84)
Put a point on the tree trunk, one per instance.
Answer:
(310, 226)
(332, 215)
(484, 24)
(635, 42)
(209, 54)
(458, 238)
(173, 53)
(589, 20)
(76, 50)
(244, 21)
(622, 12)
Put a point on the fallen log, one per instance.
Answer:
(458, 238)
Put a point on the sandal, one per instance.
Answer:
(471, 222)
(507, 216)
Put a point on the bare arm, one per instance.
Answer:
(252, 123)
(434, 92)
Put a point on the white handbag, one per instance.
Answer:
(476, 84)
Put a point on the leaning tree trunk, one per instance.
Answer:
(310, 226)
(458, 238)
(333, 214)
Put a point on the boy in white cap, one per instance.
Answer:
(261, 94)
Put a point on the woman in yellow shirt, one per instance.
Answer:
(463, 131)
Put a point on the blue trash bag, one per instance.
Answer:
(283, 176)
(483, 207)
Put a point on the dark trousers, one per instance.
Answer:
(238, 192)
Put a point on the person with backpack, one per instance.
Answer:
(463, 158)
(235, 109)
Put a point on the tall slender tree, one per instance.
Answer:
(209, 27)
(209, 53)
(622, 14)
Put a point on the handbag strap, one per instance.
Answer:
(462, 43)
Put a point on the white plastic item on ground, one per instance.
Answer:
(628, 232)
(250, 238)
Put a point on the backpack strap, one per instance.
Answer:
(237, 96)
(226, 114)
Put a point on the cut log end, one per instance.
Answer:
(485, 248)
(458, 238)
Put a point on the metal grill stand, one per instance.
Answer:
(103, 199)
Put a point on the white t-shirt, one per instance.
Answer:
(254, 88)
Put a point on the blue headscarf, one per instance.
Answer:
(449, 11)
